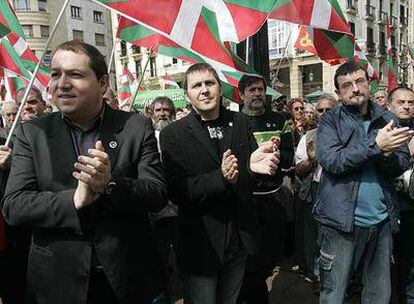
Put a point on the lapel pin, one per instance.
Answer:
(113, 144)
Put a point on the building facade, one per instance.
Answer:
(301, 73)
(83, 20)
(140, 61)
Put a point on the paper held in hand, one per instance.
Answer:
(262, 137)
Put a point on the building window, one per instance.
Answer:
(136, 49)
(153, 67)
(138, 69)
(21, 5)
(76, 12)
(77, 35)
(99, 39)
(44, 31)
(28, 30)
(352, 26)
(42, 5)
(123, 48)
(97, 17)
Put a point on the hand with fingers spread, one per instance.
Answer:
(93, 176)
(265, 160)
(389, 138)
(229, 167)
(310, 149)
(5, 157)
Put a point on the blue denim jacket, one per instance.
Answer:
(342, 149)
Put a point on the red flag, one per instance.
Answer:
(392, 79)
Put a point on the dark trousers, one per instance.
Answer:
(272, 220)
(404, 257)
(100, 291)
(221, 287)
(167, 234)
(13, 266)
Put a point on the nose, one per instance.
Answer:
(63, 81)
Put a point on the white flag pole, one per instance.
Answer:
(284, 52)
(111, 59)
(36, 70)
(141, 79)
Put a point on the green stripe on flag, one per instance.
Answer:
(265, 6)
(136, 32)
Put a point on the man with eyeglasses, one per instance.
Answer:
(361, 149)
(267, 196)
(308, 170)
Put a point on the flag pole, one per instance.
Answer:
(247, 50)
(141, 79)
(284, 52)
(111, 59)
(36, 70)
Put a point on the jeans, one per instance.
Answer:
(223, 287)
(342, 253)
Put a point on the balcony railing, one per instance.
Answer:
(370, 47)
(382, 50)
(394, 22)
(352, 6)
(370, 11)
(382, 17)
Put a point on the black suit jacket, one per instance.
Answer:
(205, 199)
(39, 194)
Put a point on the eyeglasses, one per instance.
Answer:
(348, 85)
(323, 110)
(298, 108)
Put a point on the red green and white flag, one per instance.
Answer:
(392, 79)
(323, 14)
(17, 57)
(359, 56)
(329, 46)
(188, 22)
(8, 20)
(128, 86)
(225, 62)
(168, 82)
(411, 51)
(10, 84)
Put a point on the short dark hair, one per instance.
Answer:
(200, 67)
(390, 94)
(248, 80)
(162, 100)
(20, 93)
(97, 60)
(346, 68)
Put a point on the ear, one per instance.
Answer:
(103, 84)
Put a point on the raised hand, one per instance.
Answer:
(5, 157)
(389, 138)
(93, 176)
(229, 167)
(266, 158)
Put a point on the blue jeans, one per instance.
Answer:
(342, 253)
(223, 287)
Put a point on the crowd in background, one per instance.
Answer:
(285, 201)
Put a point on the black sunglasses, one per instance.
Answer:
(323, 110)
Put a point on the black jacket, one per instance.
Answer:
(206, 200)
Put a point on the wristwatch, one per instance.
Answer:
(110, 188)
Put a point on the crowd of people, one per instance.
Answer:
(99, 205)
